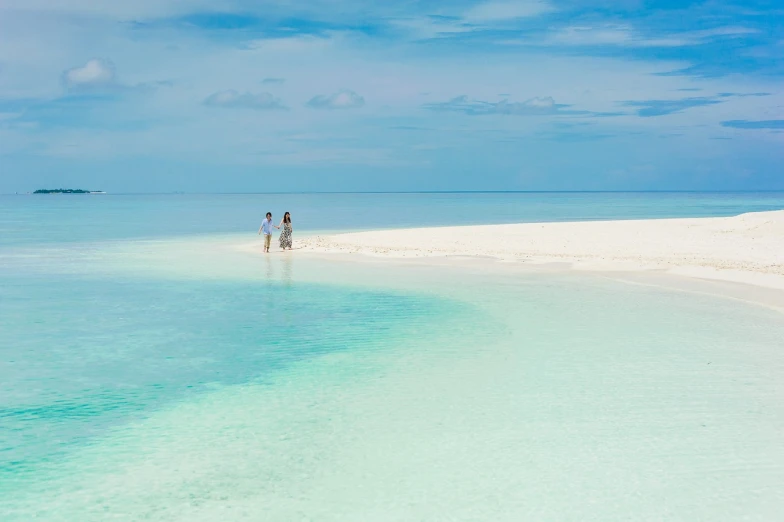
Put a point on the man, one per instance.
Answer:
(266, 227)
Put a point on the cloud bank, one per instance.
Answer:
(232, 99)
(533, 107)
(340, 100)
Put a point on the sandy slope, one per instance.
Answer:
(747, 248)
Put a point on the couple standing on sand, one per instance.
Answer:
(285, 235)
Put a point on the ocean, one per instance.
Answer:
(35, 219)
(152, 370)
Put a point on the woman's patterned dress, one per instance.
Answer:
(285, 236)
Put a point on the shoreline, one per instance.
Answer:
(746, 249)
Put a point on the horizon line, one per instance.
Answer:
(381, 192)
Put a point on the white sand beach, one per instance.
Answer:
(748, 248)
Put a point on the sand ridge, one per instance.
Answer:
(748, 248)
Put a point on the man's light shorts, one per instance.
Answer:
(267, 240)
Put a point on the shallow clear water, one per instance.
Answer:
(184, 379)
(81, 354)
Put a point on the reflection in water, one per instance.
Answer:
(288, 261)
(268, 269)
(286, 317)
(283, 264)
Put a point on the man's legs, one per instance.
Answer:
(267, 240)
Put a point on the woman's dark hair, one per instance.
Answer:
(286, 217)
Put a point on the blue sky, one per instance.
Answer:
(231, 95)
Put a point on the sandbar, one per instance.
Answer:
(748, 248)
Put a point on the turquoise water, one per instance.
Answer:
(181, 378)
(57, 218)
(81, 354)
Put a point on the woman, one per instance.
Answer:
(285, 234)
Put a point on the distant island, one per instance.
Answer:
(67, 191)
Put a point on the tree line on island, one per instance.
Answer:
(66, 191)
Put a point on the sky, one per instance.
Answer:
(348, 95)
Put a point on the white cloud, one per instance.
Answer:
(478, 17)
(94, 74)
(114, 9)
(234, 99)
(627, 36)
(340, 100)
(466, 105)
(545, 102)
(4, 116)
(729, 31)
(609, 35)
(429, 27)
(606, 35)
(497, 11)
(296, 44)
